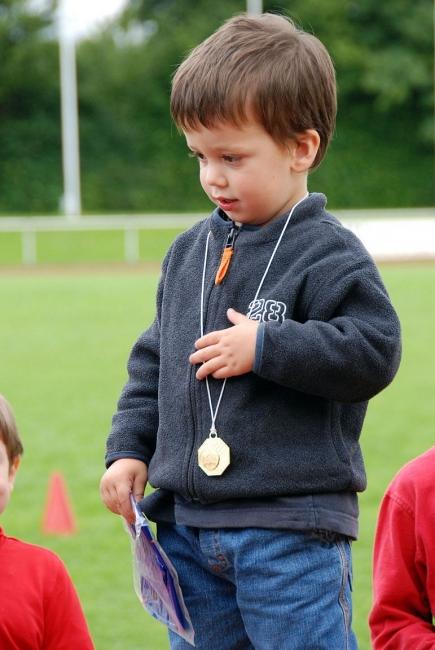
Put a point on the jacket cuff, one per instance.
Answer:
(259, 349)
(111, 457)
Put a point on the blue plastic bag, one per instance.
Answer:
(155, 579)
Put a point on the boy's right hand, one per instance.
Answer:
(124, 477)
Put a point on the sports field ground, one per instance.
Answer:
(65, 335)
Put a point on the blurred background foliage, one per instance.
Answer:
(133, 159)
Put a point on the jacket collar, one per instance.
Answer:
(311, 207)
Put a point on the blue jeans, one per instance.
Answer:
(262, 589)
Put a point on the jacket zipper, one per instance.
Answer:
(227, 254)
(227, 251)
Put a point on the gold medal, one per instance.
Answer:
(214, 456)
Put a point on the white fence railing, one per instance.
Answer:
(29, 227)
(388, 234)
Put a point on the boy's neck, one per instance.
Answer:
(300, 198)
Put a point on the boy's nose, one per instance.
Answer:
(213, 176)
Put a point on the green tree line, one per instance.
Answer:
(133, 159)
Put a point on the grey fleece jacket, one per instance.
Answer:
(329, 340)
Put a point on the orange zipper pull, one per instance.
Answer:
(224, 265)
(227, 254)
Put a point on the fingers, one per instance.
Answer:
(117, 499)
(228, 352)
(224, 372)
(124, 504)
(205, 354)
(212, 358)
(124, 477)
(109, 497)
(235, 317)
(138, 489)
(212, 338)
(210, 368)
(209, 339)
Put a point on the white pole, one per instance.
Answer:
(254, 7)
(69, 114)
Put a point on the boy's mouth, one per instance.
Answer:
(225, 204)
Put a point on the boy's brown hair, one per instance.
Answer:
(259, 66)
(8, 431)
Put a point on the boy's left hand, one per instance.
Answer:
(228, 352)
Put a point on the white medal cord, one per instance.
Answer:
(213, 413)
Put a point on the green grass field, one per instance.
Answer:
(86, 246)
(65, 338)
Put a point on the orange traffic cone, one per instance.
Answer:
(58, 516)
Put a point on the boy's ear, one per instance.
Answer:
(304, 149)
(13, 468)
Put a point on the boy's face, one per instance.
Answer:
(245, 172)
(7, 476)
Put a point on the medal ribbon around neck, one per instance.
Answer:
(214, 453)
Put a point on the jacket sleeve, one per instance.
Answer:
(400, 618)
(135, 424)
(348, 346)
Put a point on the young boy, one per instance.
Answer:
(39, 607)
(404, 560)
(247, 394)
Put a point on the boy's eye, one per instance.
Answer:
(196, 154)
(231, 158)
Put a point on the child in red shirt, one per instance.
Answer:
(39, 607)
(404, 560)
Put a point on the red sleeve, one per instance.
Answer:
(65, 626)
(401, 617)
